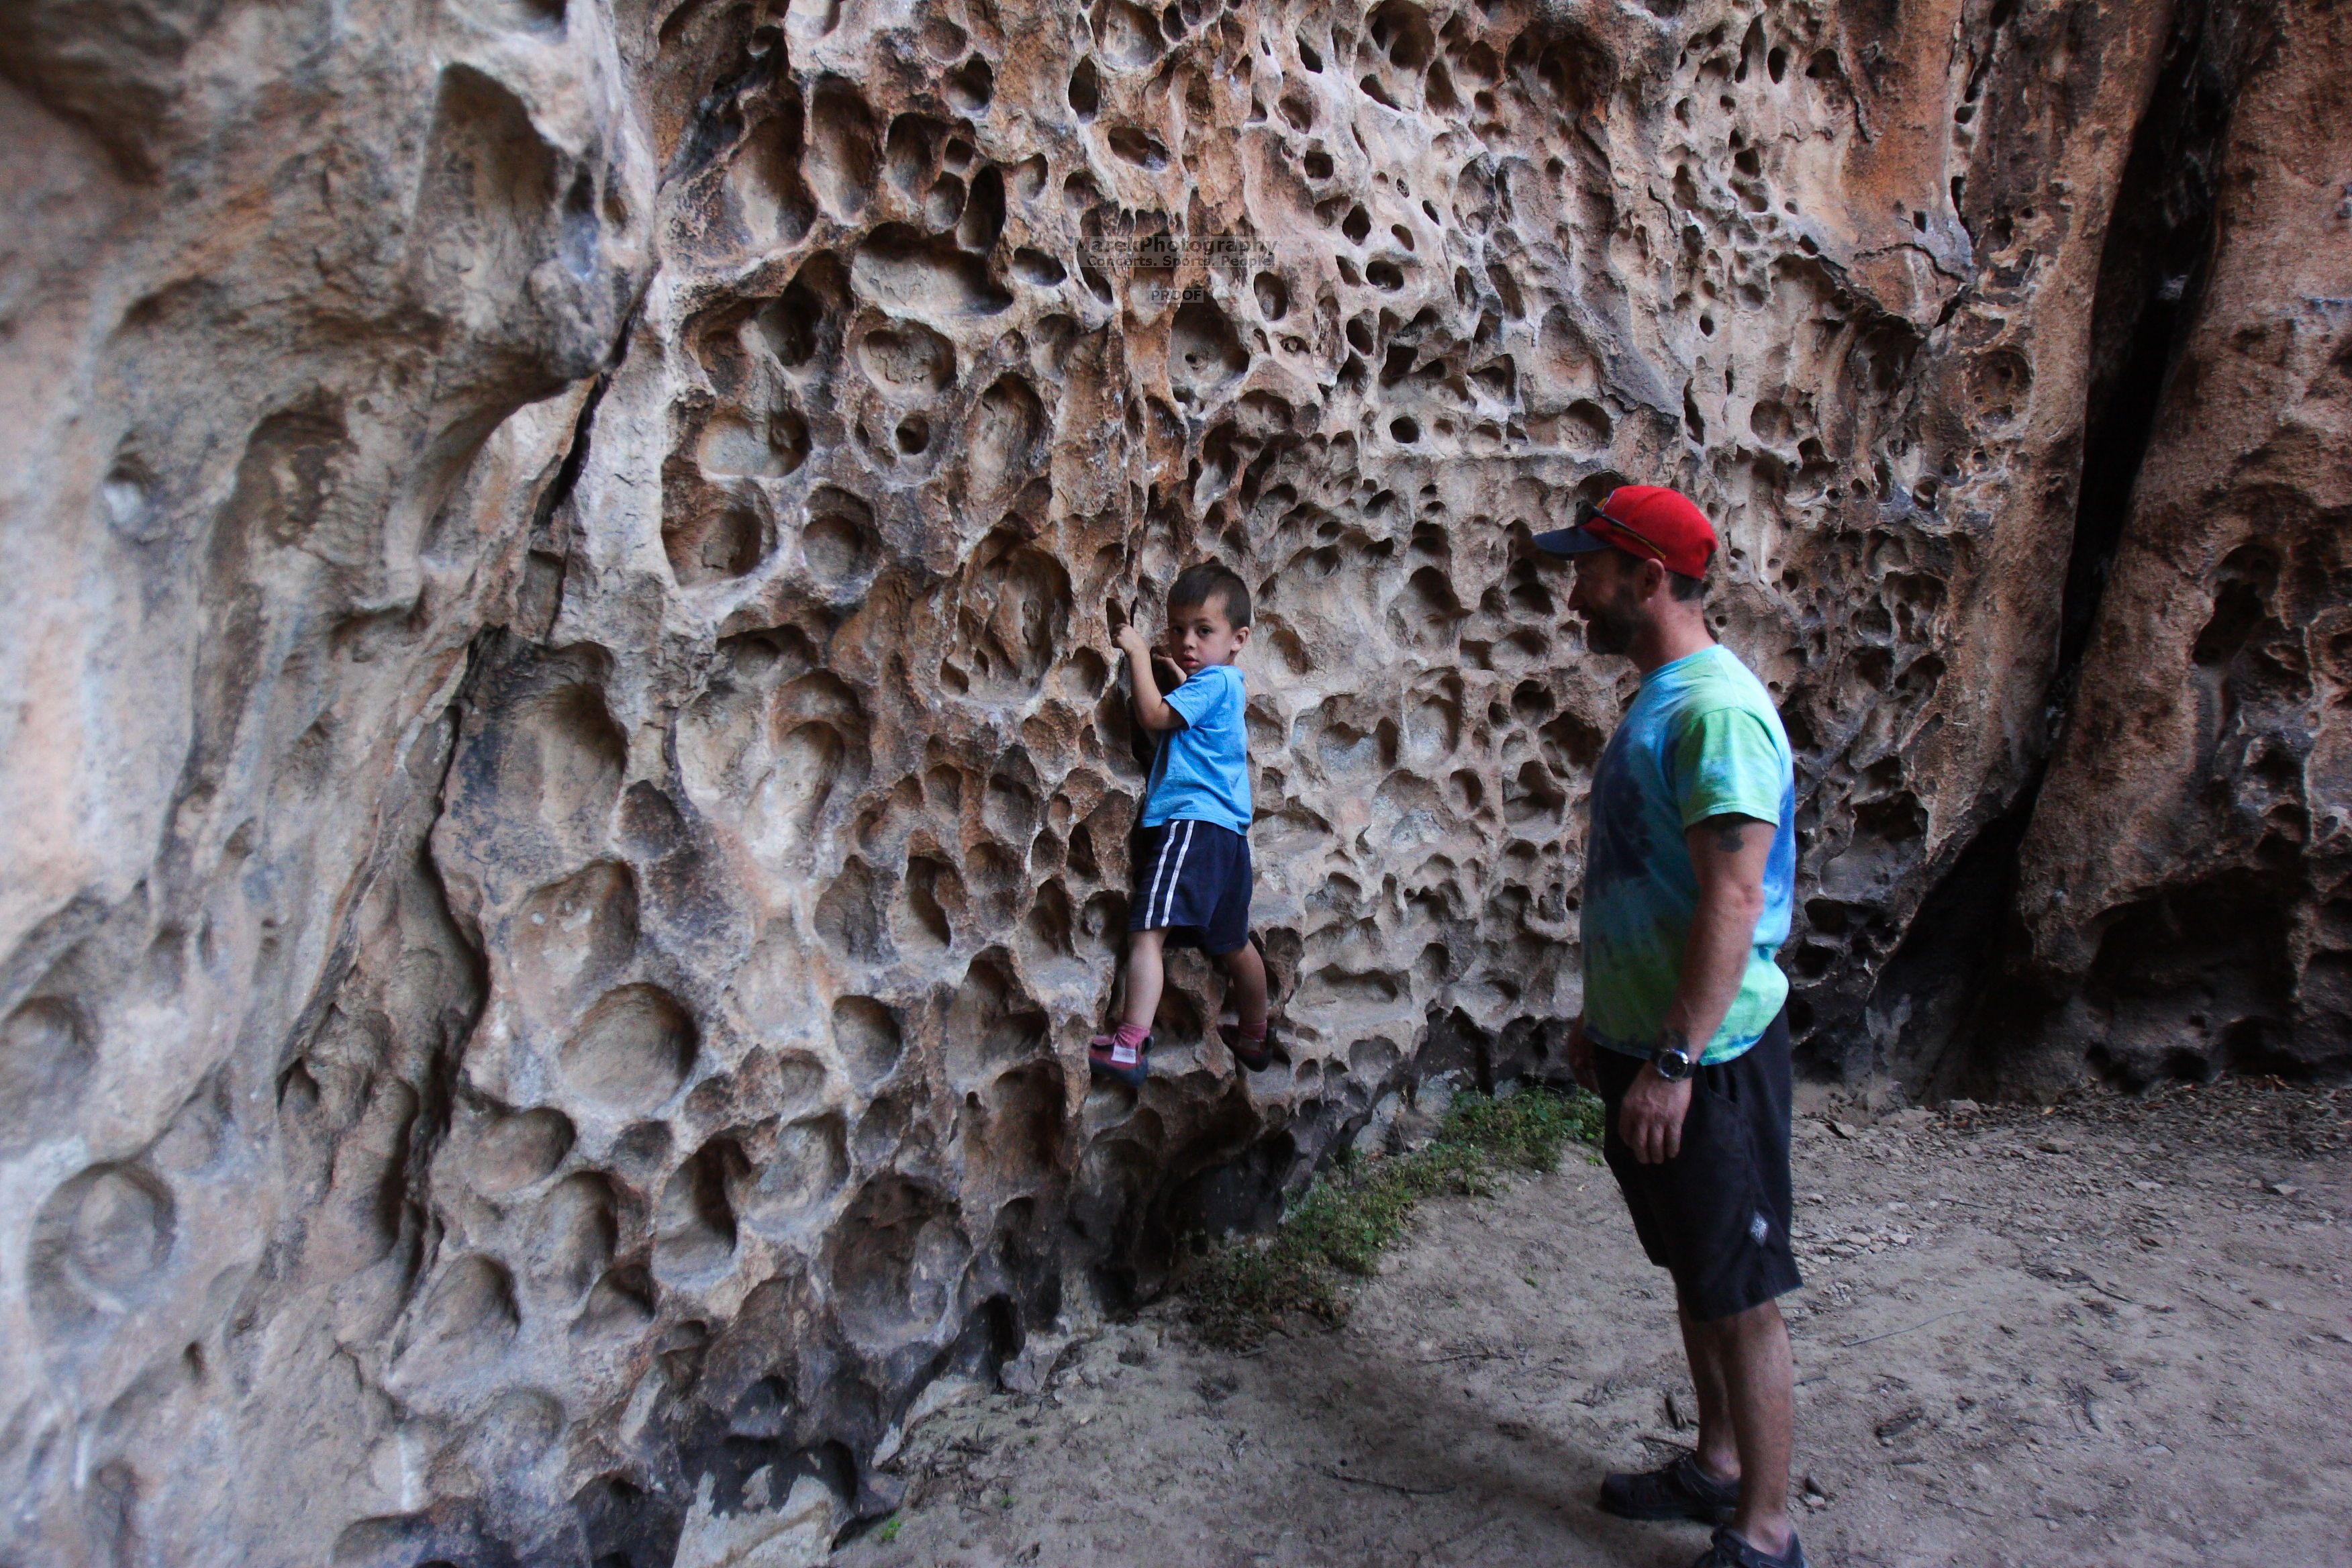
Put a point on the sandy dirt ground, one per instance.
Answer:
(2115, 1334)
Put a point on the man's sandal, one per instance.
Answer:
(1679, 1491)
(1729, 1552)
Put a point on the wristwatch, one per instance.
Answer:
(1672, 1064)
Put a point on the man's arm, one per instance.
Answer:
(1151, 709)
(1580, 1056)
(1729, 854)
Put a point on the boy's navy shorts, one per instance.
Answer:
(1192, 880)
(1716, 1217)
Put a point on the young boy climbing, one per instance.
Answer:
(1191, 856)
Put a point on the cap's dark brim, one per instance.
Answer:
(1570, 541)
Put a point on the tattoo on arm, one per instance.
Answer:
(1729, 835)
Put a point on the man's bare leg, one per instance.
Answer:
(1718, 1449)
(1750, 1351)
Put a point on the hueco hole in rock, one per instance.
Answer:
(569, 786)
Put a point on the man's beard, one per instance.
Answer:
(1611, 627)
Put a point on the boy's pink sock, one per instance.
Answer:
(1246, 1032)
(1126, 1043)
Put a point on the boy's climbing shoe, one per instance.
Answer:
(1256, 1055)
(1729, 1552)
(1679, 1491)
(1120, 1054)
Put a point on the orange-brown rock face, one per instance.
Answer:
(568, 787)
(2184, 878)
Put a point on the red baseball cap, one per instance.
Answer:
(1646, 521)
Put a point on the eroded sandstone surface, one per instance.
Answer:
(567, 793)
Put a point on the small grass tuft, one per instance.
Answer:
(1241, 1287)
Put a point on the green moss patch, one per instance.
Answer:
(1238, 1290)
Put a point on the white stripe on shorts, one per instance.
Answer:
(1175, 878)
(1167, 842)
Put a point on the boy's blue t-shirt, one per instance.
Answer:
(1201, 772)
(1701, 739)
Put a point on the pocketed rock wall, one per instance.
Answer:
(568, 791)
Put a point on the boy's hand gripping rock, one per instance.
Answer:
(1140, 655)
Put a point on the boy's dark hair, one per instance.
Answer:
(1685, 589)
(1210, 581)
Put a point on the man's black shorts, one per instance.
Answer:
(1716, 1217)
(1192, 880)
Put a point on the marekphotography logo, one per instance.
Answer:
(1152, 263)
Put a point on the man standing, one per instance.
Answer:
(1690, 865)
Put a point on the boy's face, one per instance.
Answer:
(1200, 636)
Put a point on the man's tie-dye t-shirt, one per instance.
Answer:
(1701, 739)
